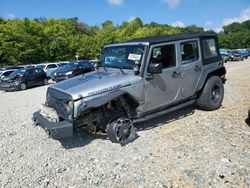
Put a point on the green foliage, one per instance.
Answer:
(32, 41)
(235, 35)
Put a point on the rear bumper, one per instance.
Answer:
(56, 131)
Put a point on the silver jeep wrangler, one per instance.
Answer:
(134, 81)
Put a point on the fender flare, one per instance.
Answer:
(207, 73)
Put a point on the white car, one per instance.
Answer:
(48, 68)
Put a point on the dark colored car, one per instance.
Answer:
(21, 79)
(236, 55)
(72, 69)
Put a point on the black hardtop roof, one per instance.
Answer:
(169, 38)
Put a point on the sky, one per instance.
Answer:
(210, 14)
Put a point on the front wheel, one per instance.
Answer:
(212, 94)
(23, 86)
(121, 131)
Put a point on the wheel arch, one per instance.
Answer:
(103, 99)
(221, 72)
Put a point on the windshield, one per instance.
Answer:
(40, 66)
(123, 57)
(18, 72)
(68, 67)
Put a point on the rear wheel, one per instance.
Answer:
(45, 81)
(23, 86)
(212, 94)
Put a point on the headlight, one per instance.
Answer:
(69, 73)
(16, 82)
(71, 105)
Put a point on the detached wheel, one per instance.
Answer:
(45, 82)
(212, 94)
(23, 86)
(121, 131)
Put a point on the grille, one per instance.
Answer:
(59, 103)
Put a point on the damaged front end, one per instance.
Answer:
(56, 116)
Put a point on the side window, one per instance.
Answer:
(30, 72)
(51, 66)
(7, 73)
(209, 48)
(189, 52)
(165, 55)
(38, 71)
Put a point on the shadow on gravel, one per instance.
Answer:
(164, 119)
(81, 138)
(248, 121)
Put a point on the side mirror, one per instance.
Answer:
(155, 68)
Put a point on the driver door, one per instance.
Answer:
(163, 89)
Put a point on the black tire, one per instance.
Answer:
(45, 81)
(23, 86)
(121, 131)
(212, 94)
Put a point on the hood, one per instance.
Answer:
(95, 83)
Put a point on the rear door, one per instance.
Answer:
(30, 77)
(40, 76)
(190, 66)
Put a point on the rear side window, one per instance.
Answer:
(209, 48)
(189, 52)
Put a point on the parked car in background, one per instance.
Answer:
(6, 73)
(48, 68)
(236, 55)
(226, 55)
(71, 70)
(244, 53)
(21, 79)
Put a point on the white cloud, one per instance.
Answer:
(178, 24)
(244, 15)
(172, 3)
(132, 18)
(10, 16)
(116, 2)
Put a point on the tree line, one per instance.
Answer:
(32, 41)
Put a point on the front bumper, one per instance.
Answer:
(60, 130)
(9, 87)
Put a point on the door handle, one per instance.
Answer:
(197, 68)
(175, 74)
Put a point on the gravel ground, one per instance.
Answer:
(188, 148)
